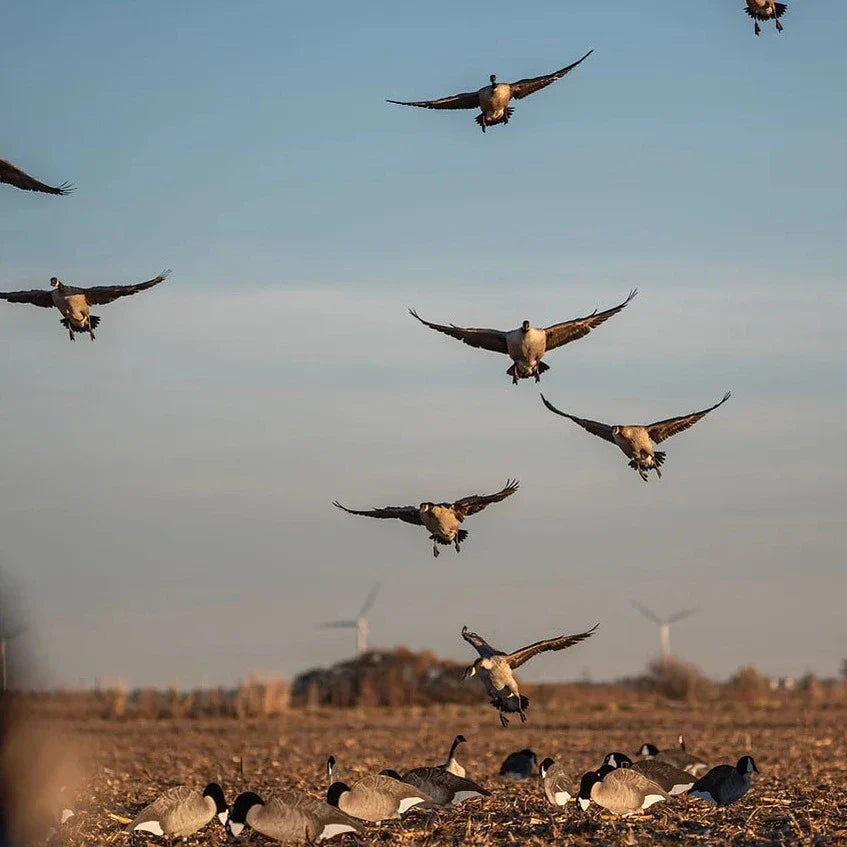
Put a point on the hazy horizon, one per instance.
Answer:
(167, 488)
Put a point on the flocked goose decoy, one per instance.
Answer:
(674, 780)
(372, 798)
(452, 764)
(622, 791)
(442, 787)
(765, 10)
(74, 303)
(289, 816)
(519, 765)
(12, 175)
(637, 441)
(725, 784)
(443, 520)
(494, 668)
(679, 757)
(493, 100)
(181, 811)
(527, 345)
(556, 782)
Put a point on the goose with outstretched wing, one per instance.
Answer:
(493, 100)
(443, 520)
(765, 10)
(75, 303)
(637, 441)
(494, 668)
(12, 175)
(527, 344)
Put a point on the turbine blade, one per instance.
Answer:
(680, 615)
(370, 601)
(646, 612)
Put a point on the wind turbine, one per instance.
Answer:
(360, 624)
(5, 637)
(664, 625)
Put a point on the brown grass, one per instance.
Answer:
(800, 798)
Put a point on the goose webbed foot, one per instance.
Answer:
(658, 472)
(456, 545)
(435, 553)
(504, 721)
(71, 335)
(779, 26)
(522, 713)
(642, 473)
(756, 28)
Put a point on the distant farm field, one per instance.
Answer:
(800, 797)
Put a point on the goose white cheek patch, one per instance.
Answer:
(584, 804)
(235, 829)
(153, 827)
(222, 817)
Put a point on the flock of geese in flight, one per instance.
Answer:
(620, 785)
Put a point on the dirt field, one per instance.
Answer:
(800, 797)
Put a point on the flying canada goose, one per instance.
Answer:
(527, 345)
(452, 765)
(519, 765)
(181, 811)
(74, 302)
(725, 784)
(765, 10)
(12, 175)
(672, 779)
(637, 441)
(557, 784)
(442, 787)
(679, 758)
(622, 791)
(493, 100)
(373, 798)
(494, 668)
(290, 816)
(441, 519)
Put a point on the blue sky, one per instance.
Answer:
(166, 489)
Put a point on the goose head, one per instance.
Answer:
(214, 791)
(746, 765)
(649, 751)
(545, 766)
(618, 760)
(425, 507)
(493, 79)
(55, 282)
(525, 326)
(588, 781)
(238, 816)
(616, 430)
(470, 671)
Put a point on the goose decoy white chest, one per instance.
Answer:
(74, 303)
(493, 99)
(443, 520)
(765, 10)
(441, 786)
(12, 175)
(181, 811)
(289, 816)
(636, 441)
(452, 765)
(494, 668)
(725, 784)
(527, 344)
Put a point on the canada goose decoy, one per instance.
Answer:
(441, 519)
(494, 668)
(725, 784)
(674, 780)
(452, 765)
(519, 765)
(622, 791)
(679, 758)
(12, 175)
(493, 100)
(527, 345)
(637, 441)
(74, 303)
(765, 10)
(442, 787)
(289, 816)
(373, 798)
(181, 811)
(557, 784)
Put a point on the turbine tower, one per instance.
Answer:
(664, 625)
(360, 624)
(5, 637)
